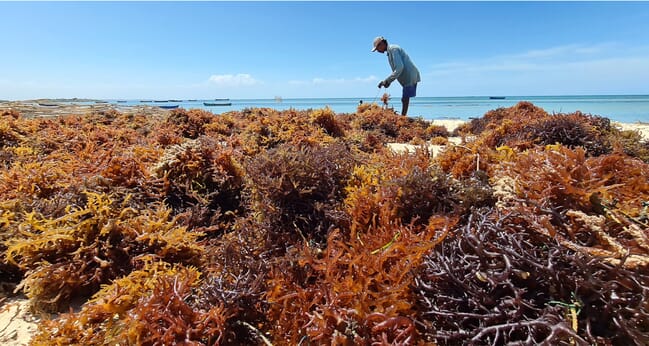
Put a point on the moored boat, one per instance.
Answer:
(214, 104)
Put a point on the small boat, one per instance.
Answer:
(175, 100)
(221, 99)
(160, 101)
(169, 106)
(496, 97)
(44, 104)
(101, 101)
(212, 104)
(192, 100)
(145, 101)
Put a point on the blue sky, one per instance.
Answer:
(319, 49)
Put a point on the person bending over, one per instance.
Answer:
(403, 70)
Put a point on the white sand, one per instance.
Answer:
(450, 124)
(411, 148)
(17, 323)
(643, 128)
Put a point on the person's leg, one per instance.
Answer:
(405, 101)
(408, 92)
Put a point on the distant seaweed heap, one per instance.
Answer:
(301, 227)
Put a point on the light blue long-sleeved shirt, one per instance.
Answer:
(403, 68)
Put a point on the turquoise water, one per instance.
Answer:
(623, 108)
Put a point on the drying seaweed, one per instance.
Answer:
(631, 143)
(592, 205)
(89, 246)
(391, 127)
(295, 227)
(354, 291)
(574, 130)
(202, 182)
(191, 124)
(408, 185)
(154, 305)
(494, 281)
(300, 190)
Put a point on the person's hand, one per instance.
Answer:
(384, 84)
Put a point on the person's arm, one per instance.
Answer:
(397, 60)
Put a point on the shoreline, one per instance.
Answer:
(427, 108)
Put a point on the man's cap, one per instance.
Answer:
(377, 40)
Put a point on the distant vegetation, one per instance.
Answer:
(300, 227)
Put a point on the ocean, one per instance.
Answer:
(622, 108)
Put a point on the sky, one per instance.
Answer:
(182, 50)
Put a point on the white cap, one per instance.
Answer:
(377, 40)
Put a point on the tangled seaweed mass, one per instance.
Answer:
(263, 227)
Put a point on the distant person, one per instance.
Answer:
(403, 70)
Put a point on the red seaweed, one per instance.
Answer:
(300, 227)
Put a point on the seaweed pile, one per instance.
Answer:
(300, 227)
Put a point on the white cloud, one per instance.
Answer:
(233, 80)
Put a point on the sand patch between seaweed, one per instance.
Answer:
(17, 323)
(641, 127)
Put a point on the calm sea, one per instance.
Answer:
(623, 108)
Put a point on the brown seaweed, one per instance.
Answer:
(494, 281)
(89, 246)
(300, 190)
(300, 227)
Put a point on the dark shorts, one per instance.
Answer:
(409, 91)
